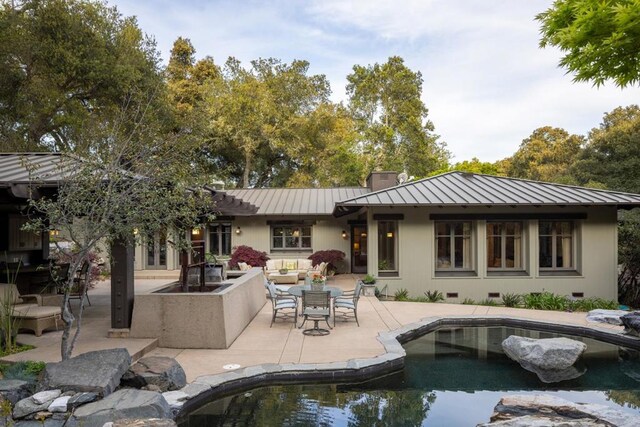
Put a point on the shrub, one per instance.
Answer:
(546, 301)
(468, 301)
(488, 301)
(26, 371)
(332, 257)
(401, 295)
(434, 296)
(511, 300)
(369, 280)
(249, 255)
(588, 304)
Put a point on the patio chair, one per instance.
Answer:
(347, 303)
(280, 302)
(50, 279)
(316, 306)
(79, 288)
(34, 312)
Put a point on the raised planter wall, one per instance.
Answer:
(199, 320)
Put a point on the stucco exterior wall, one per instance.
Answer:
(595, 253)
(326, 233)
(199, 320)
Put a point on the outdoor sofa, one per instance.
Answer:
(34, 312)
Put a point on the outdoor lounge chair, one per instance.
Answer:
(347, 303)
(316, 306)
(280, 302)
(34, 312)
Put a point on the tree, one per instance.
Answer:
(474, 166)
(546, 155)
(61, 61)
(611, 156)
(273, 125)
(392, 119)
(629, 257)
(135, 181)
(600, 39)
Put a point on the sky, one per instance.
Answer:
(487, 84)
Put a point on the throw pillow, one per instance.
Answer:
(291, 265)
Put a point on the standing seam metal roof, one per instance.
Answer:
(296, 201)
(467, 189)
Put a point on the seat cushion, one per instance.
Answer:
(310, 311)
(304, 264)
(345, 304)
(290, 264)
(36, 312)
(285, 303)
(274, 264)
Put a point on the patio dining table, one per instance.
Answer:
(297, 290)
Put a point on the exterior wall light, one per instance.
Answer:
(238, 231)
(195, 232)
(344, 234)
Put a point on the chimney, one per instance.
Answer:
(381, 180)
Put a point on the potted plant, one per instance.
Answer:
(318, 281)
(283, 271)
(369, 285)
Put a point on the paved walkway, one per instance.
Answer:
(282, 343)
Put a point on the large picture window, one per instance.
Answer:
(291, 237)
(387, 248)
(220, 238)
(556, 245)
(504, 245)
(453, 246)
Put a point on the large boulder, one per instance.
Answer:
(611, 317)
(551, 359)
(547, 354)
(14, 390)
(163, 372)
(124, 403)
(96, 371)
(550, 411)
(631, 323)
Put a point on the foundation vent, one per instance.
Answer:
(452, 295)
(577, 294)
(494, 294)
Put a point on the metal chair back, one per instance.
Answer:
(316, 299)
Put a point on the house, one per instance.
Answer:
(466, 235)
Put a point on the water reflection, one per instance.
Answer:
(445, 371)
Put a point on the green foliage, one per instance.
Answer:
(9, 324)
(401, 294)
(25, 370)
(546, 155)
(588, 304)
(511, 300)
(611, 157)
(369, 280)
(546, 301)
(488, 301)
(62, 62)
(434, 296)
(600, 39)
(473, 166)
(468, 301)
(629, 257)
(392, 119)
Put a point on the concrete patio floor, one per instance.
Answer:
(282, 343)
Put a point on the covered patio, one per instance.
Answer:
(282, 343)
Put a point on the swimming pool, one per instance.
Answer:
(452, 376)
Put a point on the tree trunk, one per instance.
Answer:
(247, 169)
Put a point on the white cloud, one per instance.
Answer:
(486, 83)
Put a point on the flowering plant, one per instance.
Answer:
(318, 279)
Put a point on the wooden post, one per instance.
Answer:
(121, 284)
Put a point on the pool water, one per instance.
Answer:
(452, 377)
